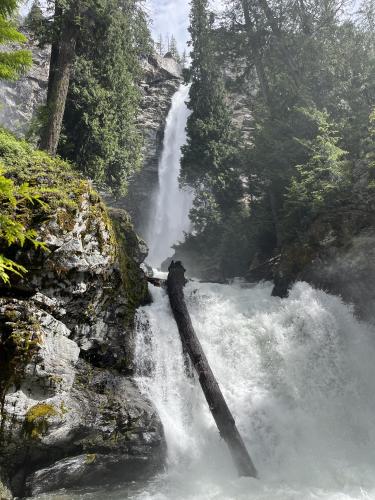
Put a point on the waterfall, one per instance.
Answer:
(298, 376)
(171, 205)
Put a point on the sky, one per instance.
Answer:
(170, 17)
(167, 17)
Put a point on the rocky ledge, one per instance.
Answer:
(71, 413)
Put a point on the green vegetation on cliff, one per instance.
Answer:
(93, 98)
(305, 74)
(32, 187)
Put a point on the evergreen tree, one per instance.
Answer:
(212, 146)
(184, 59)
(159, 46)
(99, 124)
(323, 181)
(279, 58)
(35, 23)
(15, 62)
(100, 131)
(173, 48)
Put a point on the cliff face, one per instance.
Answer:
(71, 413)
(162, 78)
(21, 99)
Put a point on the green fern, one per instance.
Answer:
(13, 199)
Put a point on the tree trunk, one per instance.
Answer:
(54, 48)
(275, 217)
(215, 399)
(59, 86)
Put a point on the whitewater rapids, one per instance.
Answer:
(298, 375)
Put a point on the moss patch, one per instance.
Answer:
(37, 420)
(133, 279)
(56, 181)
(90, 458)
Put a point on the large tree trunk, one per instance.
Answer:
(59, 85)
(54, 48)
(215, 399)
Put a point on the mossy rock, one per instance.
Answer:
(129, 257)
(37, 420)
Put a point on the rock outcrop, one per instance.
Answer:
(21, 99)
(71, 413)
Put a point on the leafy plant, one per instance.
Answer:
(13, 200)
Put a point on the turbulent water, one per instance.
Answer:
(298, 375)
(171, 206)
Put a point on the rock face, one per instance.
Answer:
(163, 76)
(71, 413)
(21, 99)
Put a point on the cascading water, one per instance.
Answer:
(298, 375)
(171, 205)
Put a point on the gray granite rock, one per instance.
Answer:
(21, 99)
(66, 349)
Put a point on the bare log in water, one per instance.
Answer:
(158, 282)
(215, 399)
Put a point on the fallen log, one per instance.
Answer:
(215, 399)
(158, 282)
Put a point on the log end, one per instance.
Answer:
(177, 273)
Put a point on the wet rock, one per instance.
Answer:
(5, 493)
(93, 469)
(21, 99)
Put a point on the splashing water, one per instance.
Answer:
(298, 376)
(171, 205)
